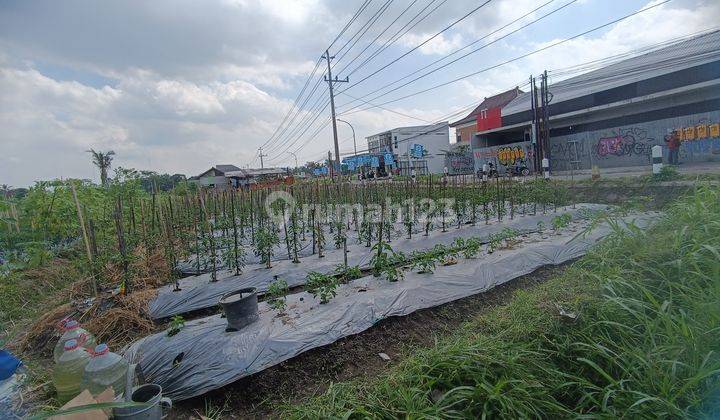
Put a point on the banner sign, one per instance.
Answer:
(417, 151)
(389, 160)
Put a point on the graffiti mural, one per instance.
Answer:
(701, 139)
(626, 143)
(460, 163)
(507, 155)
(510, 155)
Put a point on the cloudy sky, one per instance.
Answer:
(177, 86)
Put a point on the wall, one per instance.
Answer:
(466, 132)
(460, 163)
(631, 145)
(520, 153)
(217, 181)
(435, 144)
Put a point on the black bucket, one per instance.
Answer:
(241, 308)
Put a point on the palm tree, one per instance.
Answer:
(6, 190)
(102, 161)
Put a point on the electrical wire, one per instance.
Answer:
(520, 57)
(463, 48)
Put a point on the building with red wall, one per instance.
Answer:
(485, 116)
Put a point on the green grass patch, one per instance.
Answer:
(644, 343)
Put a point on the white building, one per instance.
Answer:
(421, 147)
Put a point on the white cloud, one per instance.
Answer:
(438, 45)
(177, 85)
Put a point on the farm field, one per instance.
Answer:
(374, 254)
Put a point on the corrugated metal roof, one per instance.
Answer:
(226, 168)
(249, 173)
(693, 52)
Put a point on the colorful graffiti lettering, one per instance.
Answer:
(510, 155)
(628, 142)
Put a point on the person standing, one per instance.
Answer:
(673, 145)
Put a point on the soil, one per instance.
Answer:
(352, 358)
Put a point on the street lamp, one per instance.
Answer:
(295, 156)
(353, 131)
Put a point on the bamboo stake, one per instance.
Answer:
(85, 238)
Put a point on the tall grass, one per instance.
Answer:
(645, 343)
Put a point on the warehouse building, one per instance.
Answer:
(612, 116)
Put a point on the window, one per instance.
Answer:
(483, 113)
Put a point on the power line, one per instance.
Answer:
(512, 59)
(317, 64)
(396, 37)
(420, 45)
(347, 25)
(378, 36)
(374, 18)
(456, 51)
(297, 99)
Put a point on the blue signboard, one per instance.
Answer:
(417, 150)
(320, 171)
(389, 159)
(375, 162)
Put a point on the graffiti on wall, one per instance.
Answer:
(627, 142)
(508, 156)
(460, 163)
(699, 139)
(514, 154)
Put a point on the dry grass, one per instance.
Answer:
(112, 318)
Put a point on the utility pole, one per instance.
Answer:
(262, 165)
(330, 81)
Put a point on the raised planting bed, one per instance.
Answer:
(203, 355)
(200, 292)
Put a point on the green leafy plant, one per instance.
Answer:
(176, 324)
(322, 285)
(562, 221)
(265, 240)
(385, 260)
(348, 273)
(424, 262)
(667, 173)
(469, 248)
(277, 293)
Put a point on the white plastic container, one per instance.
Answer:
(68, 371)
(105, 369)
(73, 331)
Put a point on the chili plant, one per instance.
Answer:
(265, 240)
(322, 285)
(277, 292)
(424, 262)
(385, 260)
(176, 324)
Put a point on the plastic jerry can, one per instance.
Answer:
(73, 331)
(68, 371)
(105, 369)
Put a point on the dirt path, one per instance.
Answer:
(354, 357)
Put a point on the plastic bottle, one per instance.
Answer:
(73, 331)
(68, 371)
(105, 369)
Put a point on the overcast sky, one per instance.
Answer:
(177, 86)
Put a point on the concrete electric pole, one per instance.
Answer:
(262, 166)
(330, 81)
